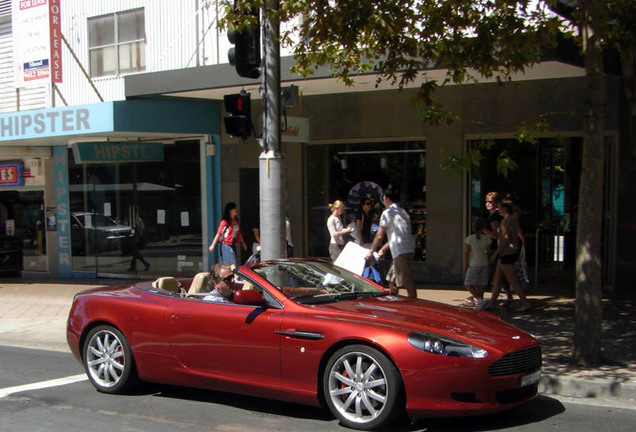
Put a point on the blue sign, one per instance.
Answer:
(199, 117)
(11, 174)
(111, 152)
(56, 122)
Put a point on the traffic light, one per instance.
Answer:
(245, 55)
(239, 123)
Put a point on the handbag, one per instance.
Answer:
(372, 273)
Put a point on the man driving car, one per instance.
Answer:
(224, 284)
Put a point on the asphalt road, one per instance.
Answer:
(47, 391)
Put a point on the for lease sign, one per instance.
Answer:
(37, 36)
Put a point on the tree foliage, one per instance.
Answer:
(398, 39)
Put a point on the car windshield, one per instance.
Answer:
(313, 282)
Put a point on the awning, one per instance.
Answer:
(141, 187)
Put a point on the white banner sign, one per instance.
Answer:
(37, 37)
(295, 129)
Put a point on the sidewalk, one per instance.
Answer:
(552, 321)
(33, 314)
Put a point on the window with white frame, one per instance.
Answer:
(117, 43)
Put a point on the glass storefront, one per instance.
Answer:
(355, 172)
(546, 186)
(138, 219)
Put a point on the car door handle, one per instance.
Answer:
(181, 315)
(301, 334)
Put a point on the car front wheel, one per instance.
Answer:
(108, 360)
(362, 387)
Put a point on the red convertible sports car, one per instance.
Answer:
(306, 331)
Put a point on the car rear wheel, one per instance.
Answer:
(108, 360)
(362, 387)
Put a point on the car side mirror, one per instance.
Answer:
(248, 297)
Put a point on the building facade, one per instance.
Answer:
(339, 143)
(101, 178)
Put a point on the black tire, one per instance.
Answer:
(108, 360)
(373, 398)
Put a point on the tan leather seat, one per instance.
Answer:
(202, 283)
(168, 283)
(247, 285)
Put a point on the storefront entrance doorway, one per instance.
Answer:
(546, 187)
(23, 237)
(138, 219)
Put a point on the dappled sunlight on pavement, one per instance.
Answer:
(551, 320)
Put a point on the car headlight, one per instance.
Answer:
(442, 345)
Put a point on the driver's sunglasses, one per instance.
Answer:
(228, 278)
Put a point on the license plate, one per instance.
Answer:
(532, 378)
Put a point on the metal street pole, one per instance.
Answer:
(271, 161)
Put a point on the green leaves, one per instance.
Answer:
(398, 40)
(505, 163)
(460, 164)
(529, 132)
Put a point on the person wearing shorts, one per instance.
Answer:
(395, 222)
(508, 251)
(476, 266)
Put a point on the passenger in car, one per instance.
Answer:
(224, 284)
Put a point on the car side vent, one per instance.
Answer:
(525, 360)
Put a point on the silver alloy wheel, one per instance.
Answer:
(105, 358)
(358, 387)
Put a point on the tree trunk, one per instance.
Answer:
(589, 293)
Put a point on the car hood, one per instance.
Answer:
(421, 315)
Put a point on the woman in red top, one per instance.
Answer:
(228, 233)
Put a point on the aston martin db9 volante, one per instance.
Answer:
(306, 331)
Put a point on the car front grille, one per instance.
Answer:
(525, 360)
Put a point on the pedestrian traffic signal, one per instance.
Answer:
(239, 123)
(245, 55)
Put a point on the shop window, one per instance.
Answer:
(139, 219)
(356, 172)
(545, 187)
(117, 43)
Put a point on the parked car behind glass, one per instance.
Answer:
(101, 233)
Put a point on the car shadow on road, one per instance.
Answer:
(537, 410)
(267, 406)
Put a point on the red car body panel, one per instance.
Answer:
(280, 351)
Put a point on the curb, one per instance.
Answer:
(578, 387)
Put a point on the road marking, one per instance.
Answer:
(43, 384)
